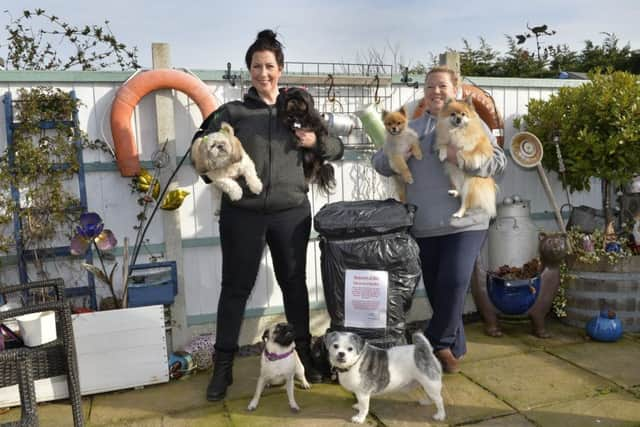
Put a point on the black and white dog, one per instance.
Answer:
(296, 110)
(366, 370)
(279, 363)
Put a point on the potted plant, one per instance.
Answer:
(513, 290)
(597, 129)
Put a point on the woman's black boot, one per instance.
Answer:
(312, 374)
(222, 375)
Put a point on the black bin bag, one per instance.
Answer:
(369, 235)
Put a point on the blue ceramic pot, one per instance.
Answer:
(512, 296)
(605, 327)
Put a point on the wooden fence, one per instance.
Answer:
(109, 194)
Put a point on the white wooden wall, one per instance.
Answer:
(110, 196)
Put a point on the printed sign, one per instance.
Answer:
(365, 298)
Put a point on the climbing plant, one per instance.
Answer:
(38, 163)
(37, 40)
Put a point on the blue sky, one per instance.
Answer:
(208, 34)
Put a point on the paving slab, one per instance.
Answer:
(480, 346)
(50, 414)
(323, 405)
(175, 396)
(203, 417)
(610, 360)
(515, 420)
(560, 334)
(529, 380)
(464, 402)
(609, 410)
(151, 401)
(146, 422)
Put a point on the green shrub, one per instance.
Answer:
(599, 128)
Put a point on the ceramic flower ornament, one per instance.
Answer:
(91, 231)
(173, 200)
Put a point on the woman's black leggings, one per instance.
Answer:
(243, 235)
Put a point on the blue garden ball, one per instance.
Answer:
(613, 247)
(512, 296)
(605, 327)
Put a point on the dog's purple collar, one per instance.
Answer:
(271, 357)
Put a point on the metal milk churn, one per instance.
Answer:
(513, 237)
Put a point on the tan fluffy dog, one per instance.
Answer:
(460, 125)
(222, 159)
(400, 140)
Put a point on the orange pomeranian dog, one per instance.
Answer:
(460, 125)
(400, 140)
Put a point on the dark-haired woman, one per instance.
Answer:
(279, 217)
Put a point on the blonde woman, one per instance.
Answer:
(448, 247)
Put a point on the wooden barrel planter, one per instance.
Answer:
(602, 285)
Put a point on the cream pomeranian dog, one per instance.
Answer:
(400, 140)
(459, 125)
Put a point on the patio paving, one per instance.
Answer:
(611, 362)
(535, 379)
(516, 380)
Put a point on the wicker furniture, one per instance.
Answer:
(24, 365)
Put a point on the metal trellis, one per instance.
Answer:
(23, 254)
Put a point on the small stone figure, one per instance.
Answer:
(554, 248)
(611, 243)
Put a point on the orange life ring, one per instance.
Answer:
(484, 105)
(132, 91)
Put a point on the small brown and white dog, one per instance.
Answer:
(220, 157)
(400, 140)
(279, 363)
(460, 125)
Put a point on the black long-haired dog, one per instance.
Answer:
(296, 110)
